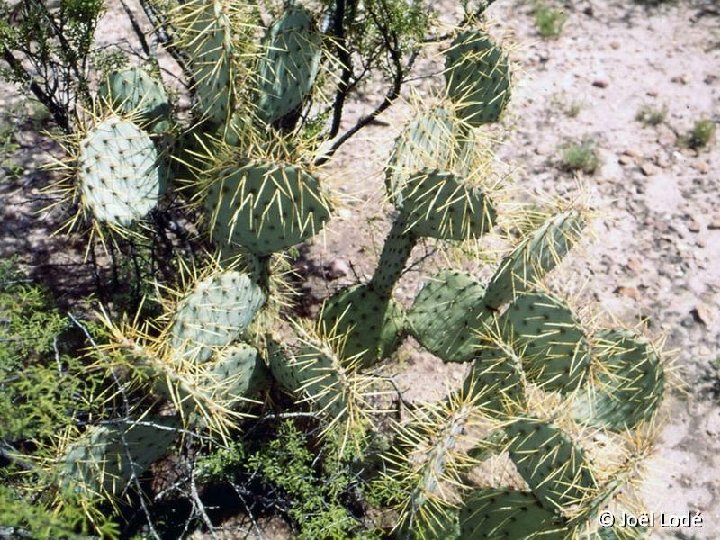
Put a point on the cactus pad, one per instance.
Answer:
(98, 463)
(266, 207)
(439, 205)
(494, 513)
(240, 372)
(551, 463)
(497, 380)
(207, 37)
(290, 64)
(426, 143)
(446, 315)
(214, 313)
(118, 172)
(477, 78)
(556, 352)
(533, 258)
(629, 385)
(136, 92)
(372, 322)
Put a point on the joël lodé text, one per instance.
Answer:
(662, 519)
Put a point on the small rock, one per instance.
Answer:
(710, 79)
(651, 93)
(702, 313)
(714, 225)
(628, 292)
(632, 152)
(680, 79)
(615, 45)
(338, 268)
(648, 169)
(625, 160)
(634, 265)
(663, 161)
(702, 167)
(693, 226)
(600, 83)
(701, 243)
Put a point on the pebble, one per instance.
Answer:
(680, 79)
(625, 160)
(702, 313)
(714, 225)
(628, 292)
(702, 167)
(649, 169)
(600, 83)
(694, 226)
(615, 45)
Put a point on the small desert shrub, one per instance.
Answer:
(549, 21)
(701, 135)
(651, 116)
(580, 156)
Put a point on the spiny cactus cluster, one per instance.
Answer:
(545, 392)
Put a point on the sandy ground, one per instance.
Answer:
(654, 256)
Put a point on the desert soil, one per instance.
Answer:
(653, 258)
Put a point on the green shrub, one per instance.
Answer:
(549, 21)
(701, 135)
(651, 116)
(581, 156)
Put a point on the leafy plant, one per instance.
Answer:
(549, 21)
(701, 135)
(581, 156)
(651, 116)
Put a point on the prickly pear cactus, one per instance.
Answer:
(105, 458)
(265, 207)
(477, 77)
(289, 65)
(135, 92)
(445, 314)
(372, 320)
(215, 313)
(629, 382)
(206, 34)
(556, 351)
(118, 172)
(438, 204)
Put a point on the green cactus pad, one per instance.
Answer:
(494, 514)
(136, 92)
(217, 310)
(426, 143)
(266, 207)
(629, 382)
(551, 463)
(240, 372)
(496, 379)
(209, 45)
(533, 258)
(118, 172)
(477, 78)
(556, 352)
(98, 463)
(290, 64)
(446, 315)
(372, 322)
(281, 366)
(439, 205)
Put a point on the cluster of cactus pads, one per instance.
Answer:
(545, 393)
